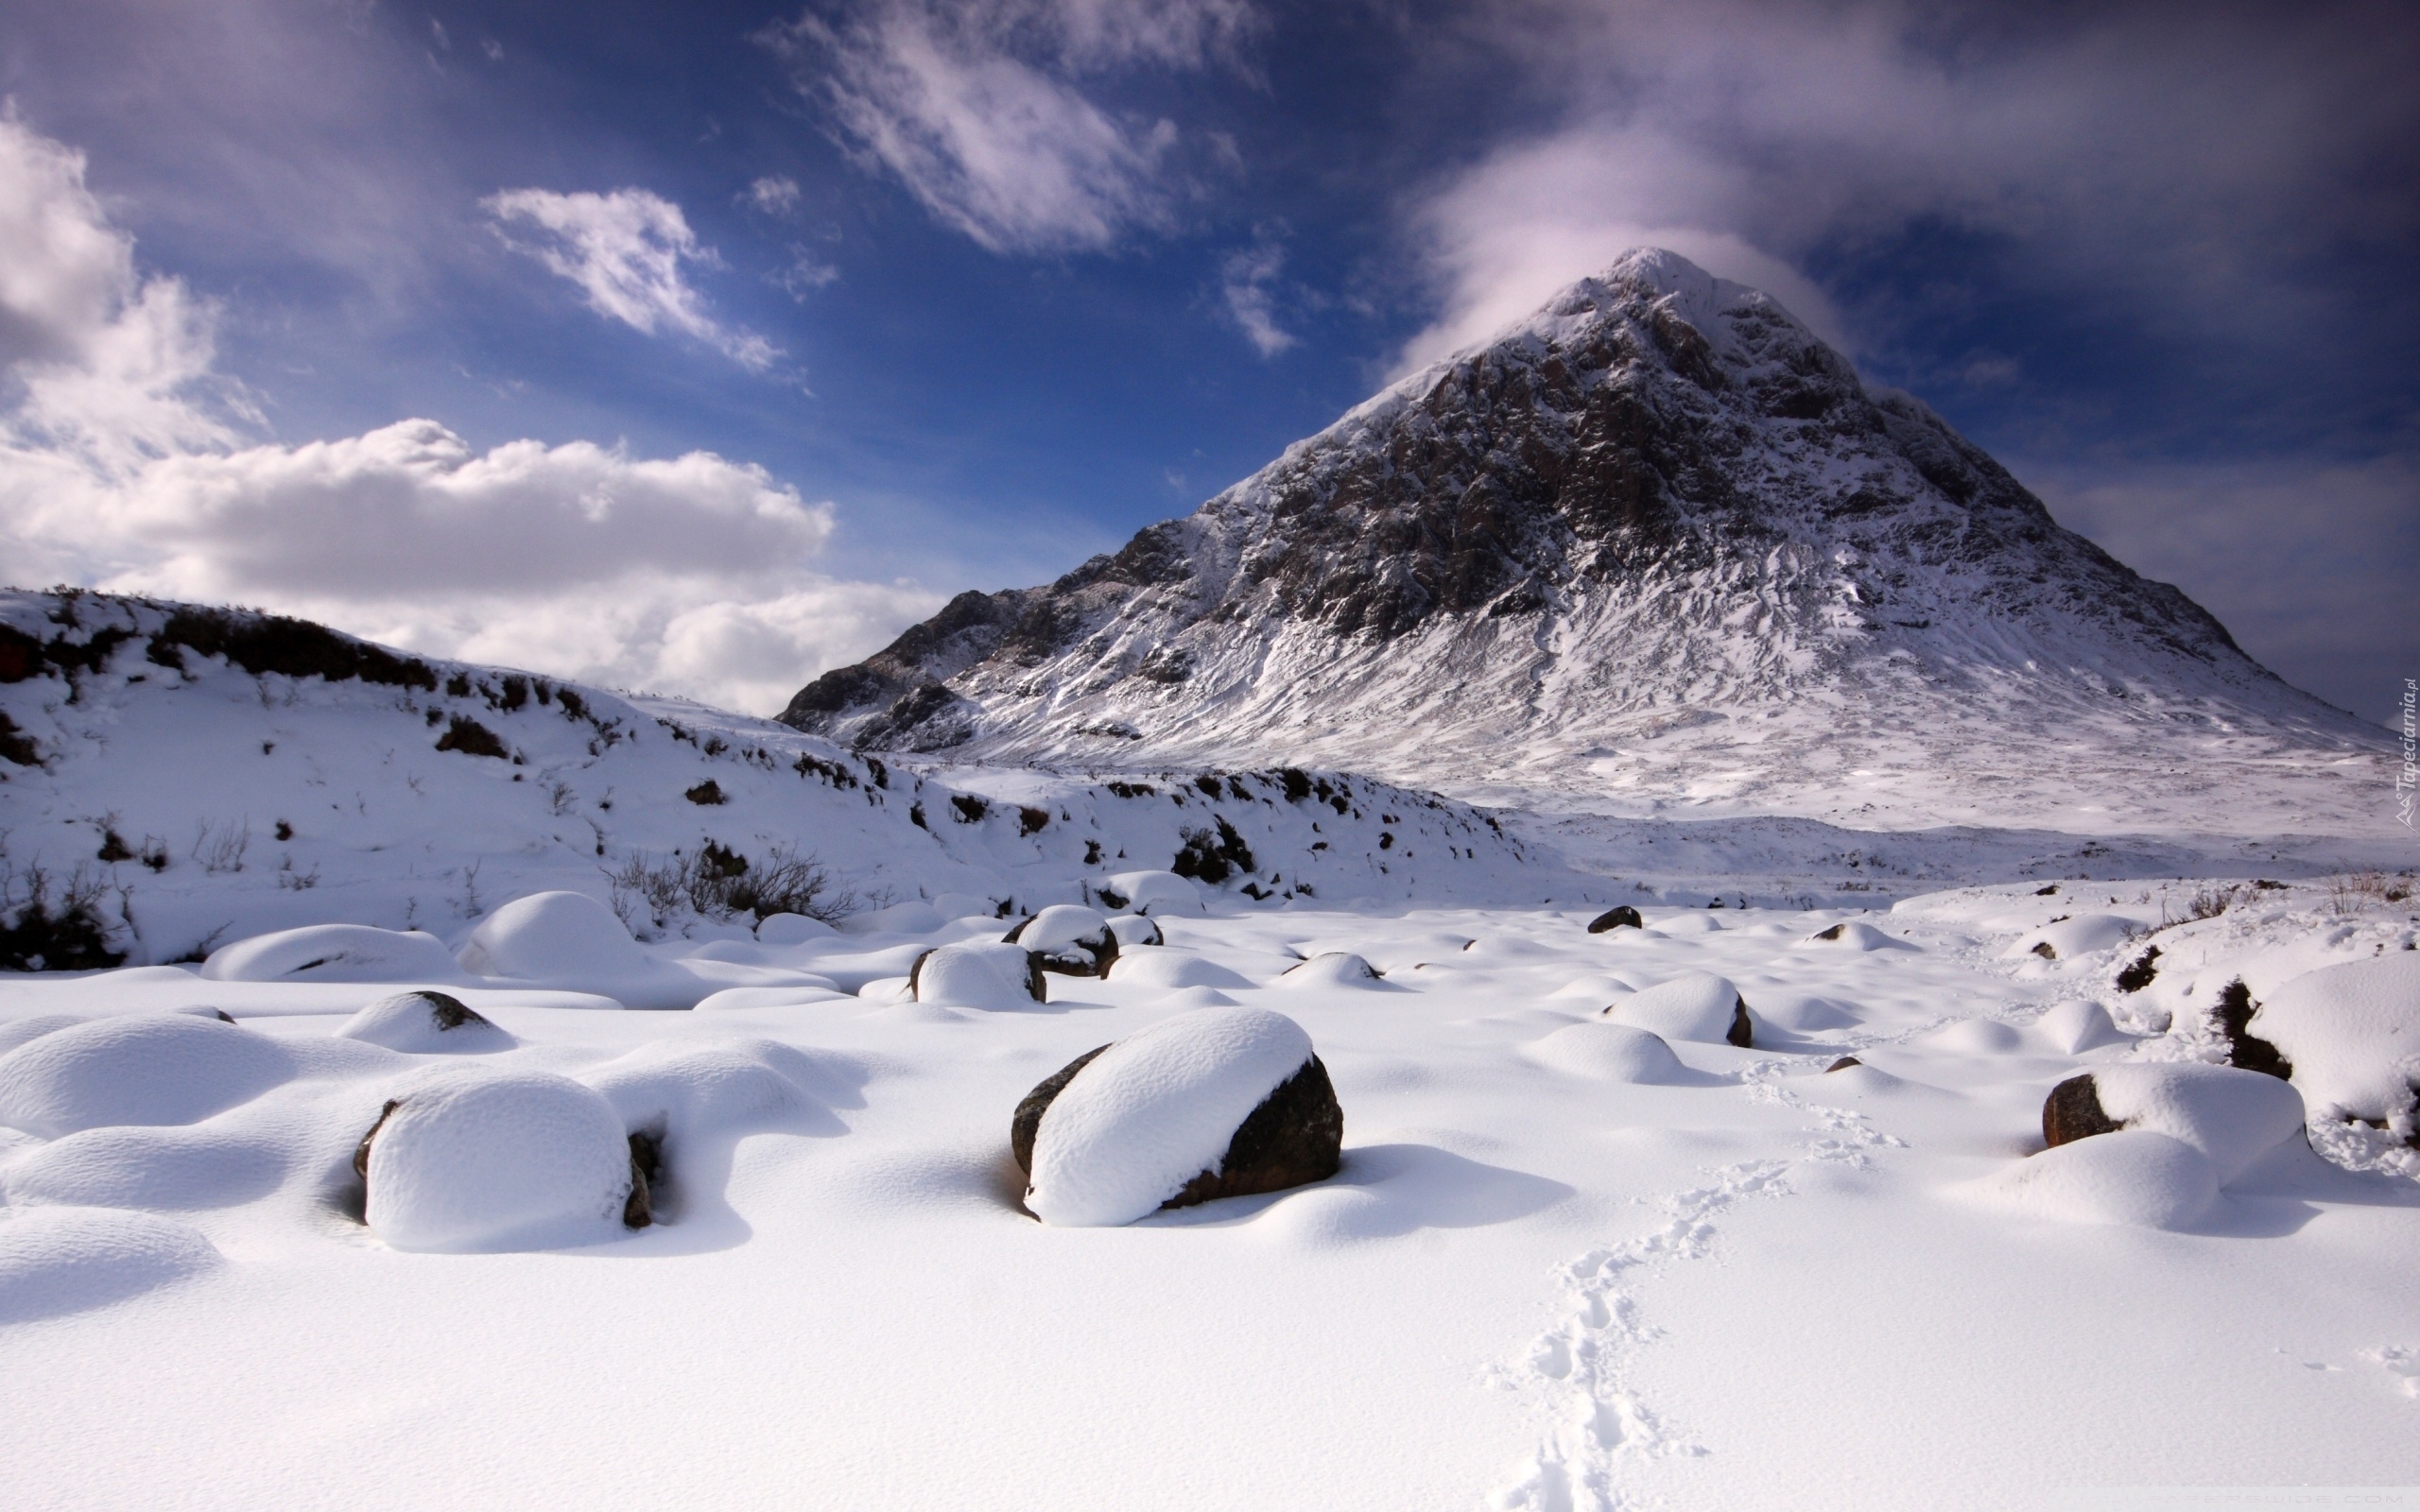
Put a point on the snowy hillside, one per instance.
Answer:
(1654, 550)
(196, 775)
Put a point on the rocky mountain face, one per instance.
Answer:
(1656, 546)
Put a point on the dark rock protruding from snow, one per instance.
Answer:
(2072, 1111)
(425, 1021)
(1027, 1120)
(1295, 1137)
(1066, 939)
(1620, 917)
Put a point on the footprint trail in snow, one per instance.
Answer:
(1595, 1423)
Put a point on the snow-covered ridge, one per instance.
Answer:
(1654, 546)
(204, 775)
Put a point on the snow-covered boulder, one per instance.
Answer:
(569, 939)
(1169, 970)
(1331, 969)
(1696, 1005)
(1068, 938)
(176, 1168)
(57, 1261)
(2067, 939)
(2076, 1025)
(1136, 929)
(2351, 1034)
(1607, 1051)
(517, 1159)
(335, 952)
(24, 1031)
(1849, 935)
(153, 1068)
(1622, 916)
(912, 917)
(792, 929)
(773, 997)
(977, 974)
(1217, 1103)
(552, 933)
(2232, 1117)
(1151, 892)
(2134, 1176)
(426, 1024)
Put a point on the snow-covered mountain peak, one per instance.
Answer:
(1654, 546)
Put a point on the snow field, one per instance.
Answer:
(1536, 1280)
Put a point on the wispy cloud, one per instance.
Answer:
(127, 462)
(982, 110)
(1248, 283)
(627, 253)
(774, 195)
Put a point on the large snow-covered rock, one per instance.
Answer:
(2134, 1177)
(1607, 1051)
(977, 974)
(1695, 1006)
(2233, 1117)
(335, 952)
(2076, 1025)
(166, 1068)
(2067, 938)
(513, 1160)
(1850, 934)
(570, 941)
(426, 1024)
(1068, 937)
(1154, 892)
(1219, 1102)
(2352, 1034)
(1172, 968)
(1332, 969)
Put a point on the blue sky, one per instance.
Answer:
(955, 295)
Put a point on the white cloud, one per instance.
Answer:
(101, 362)
(1248, 280)
(774, 195)
(625, 251)
(691, 575)
(2187, 157)
(978, 108)
(806, 273)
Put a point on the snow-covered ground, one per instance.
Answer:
(360, 1248)
(1537, 1280)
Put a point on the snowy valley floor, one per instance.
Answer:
(1752, 1285)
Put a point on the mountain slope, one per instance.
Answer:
(1656, 546)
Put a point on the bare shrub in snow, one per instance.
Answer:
(42, 933)
(2352, 892)
(220, 848)
(719, 883)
